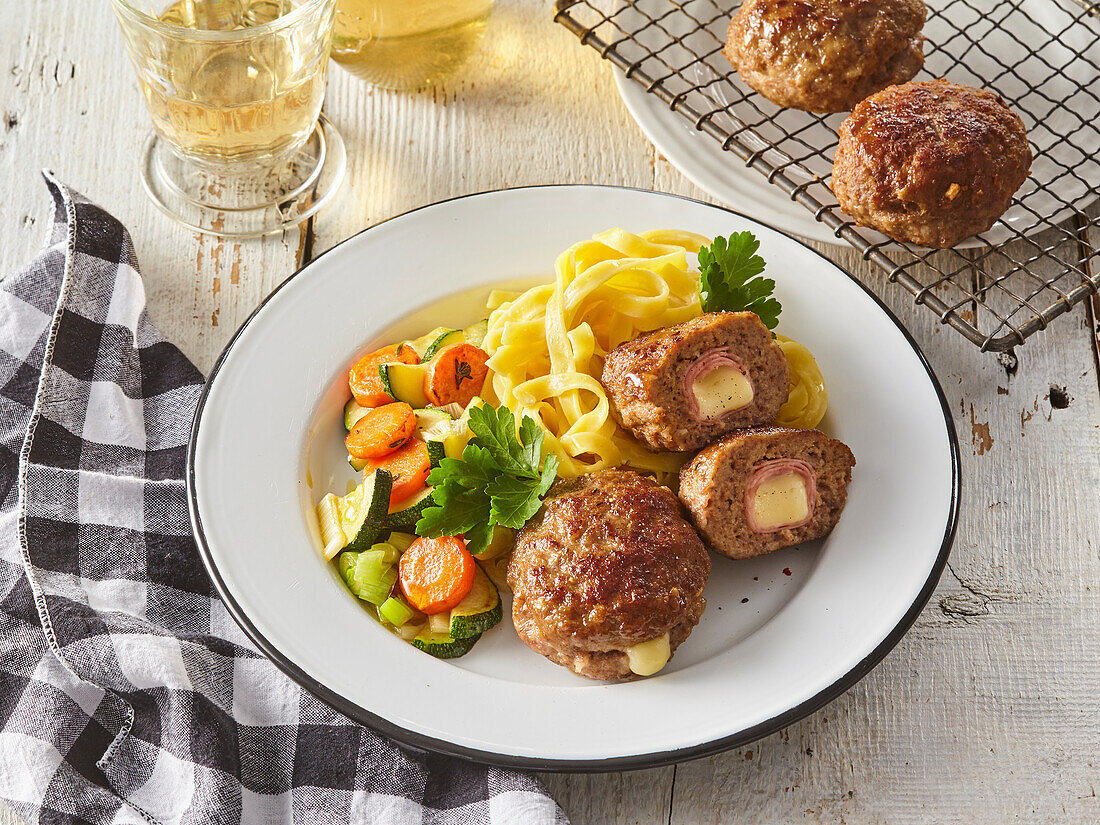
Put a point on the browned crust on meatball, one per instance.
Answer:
(608, 562)
(825, 55)
(644, 379)
(712, 487)
(930, 162)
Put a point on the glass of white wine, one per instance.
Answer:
(234, 88)
(407, 44)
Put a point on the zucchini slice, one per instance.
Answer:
(452, 434)
(443, 647)
(475, 333)
(479, 611)
(408, 513)
(450, 336)
(404, 382)
(437, 451)
(430, 418)
(358, 520)
(422, 343)
(358, 464)
(352, 413)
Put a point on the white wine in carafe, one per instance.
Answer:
(407, 44)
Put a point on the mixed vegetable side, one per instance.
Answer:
(418, 432)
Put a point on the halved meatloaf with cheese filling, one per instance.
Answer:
(759, 490)
(681, 387)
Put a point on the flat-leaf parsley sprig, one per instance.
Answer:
(497, 480)
(728, 278)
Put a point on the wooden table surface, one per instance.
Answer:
(988, 711)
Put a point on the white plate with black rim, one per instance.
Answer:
(782, 635)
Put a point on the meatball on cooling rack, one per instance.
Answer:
(825, 55)
(930, 162)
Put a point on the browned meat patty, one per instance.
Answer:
(825, 55)
(930, 163)
(665, 386)
(607, 563)
(759, 490)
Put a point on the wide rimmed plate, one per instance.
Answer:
(1052, 55)
(782, 635)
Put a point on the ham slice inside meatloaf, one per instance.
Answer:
(776, 505)
(735, 395)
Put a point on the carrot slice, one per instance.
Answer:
(364, 380)
(456, 374)
(381, 431)
(408, 466)
(436, 574)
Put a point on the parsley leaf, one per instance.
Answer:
(515, 500)
(494, 428)
(498, 480)
(478, 537)
(728, 281)
(530, 435)
(456, 511)
(512, 504)
(474, 470)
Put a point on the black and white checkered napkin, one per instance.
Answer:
(127, 693)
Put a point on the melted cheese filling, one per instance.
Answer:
(722, 390)
(781, 500)
(646, 658)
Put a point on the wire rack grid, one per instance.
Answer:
(1041, 56)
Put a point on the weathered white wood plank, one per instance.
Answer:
(634, 798)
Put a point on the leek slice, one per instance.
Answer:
(395, 611)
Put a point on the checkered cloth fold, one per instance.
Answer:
(127, 693)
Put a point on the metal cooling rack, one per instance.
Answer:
(1042, 56)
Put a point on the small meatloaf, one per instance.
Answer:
(757, 491)
(681, 387)
(825, 55)
(608, 577)
(930, 163)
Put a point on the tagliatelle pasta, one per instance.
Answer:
(808, 400)
(547, 345)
